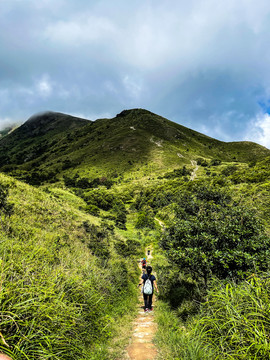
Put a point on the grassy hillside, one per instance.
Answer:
(135, 142)
(7, 130)
(63, 276)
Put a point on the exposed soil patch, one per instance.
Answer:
(142, 346)
(193, 175)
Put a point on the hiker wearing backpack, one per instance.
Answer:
(149, 282)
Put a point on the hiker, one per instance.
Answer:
(149, 281)
(143, 264)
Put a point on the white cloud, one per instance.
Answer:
(80, 31)
(44, 86)
(6, 121)
(133, 86)
(259, 130)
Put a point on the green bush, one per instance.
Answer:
(210, 237)
(145, 220)
(92, 209)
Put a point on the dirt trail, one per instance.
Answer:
(160, 223)
(141, 345)
(193, 175)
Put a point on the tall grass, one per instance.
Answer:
(175, 339)
(57, 300)
(236, 319)
(234, 323)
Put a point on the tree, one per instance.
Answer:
(120, 214)
(145, 220)
(211, 236)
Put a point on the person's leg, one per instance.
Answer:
(145, 301)
(150, 301)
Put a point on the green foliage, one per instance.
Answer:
(235, 320)
(215, 162)
(87, 183)
(229, 170)
(176, 173)
(62, 283)
(202, 162)
(120, 214)
(34, 177)
(100, 198)
(175, 341)
(145, 220)
(97, 240)
(127, 248)
(92, 209)
(154, 197)
(211, 237)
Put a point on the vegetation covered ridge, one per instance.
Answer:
(50, 145)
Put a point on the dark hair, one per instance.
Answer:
(148, 269)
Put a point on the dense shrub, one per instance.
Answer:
(120, 214)
(202, 162)
(210, 236)
(87, 183)
(100, 198)
(145, 220)
(92, 209)
(229, 170)
(177, 173)
(215, 162)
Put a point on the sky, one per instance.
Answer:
(204, 64)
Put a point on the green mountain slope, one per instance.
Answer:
(57, 144)
(36, 136)
(7, 130)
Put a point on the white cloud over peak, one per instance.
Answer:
(259, 130)
(44, 86)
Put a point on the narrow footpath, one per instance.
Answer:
(196, 167)
(141, 345)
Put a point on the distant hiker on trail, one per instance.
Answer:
(143, 263)
(149, 281)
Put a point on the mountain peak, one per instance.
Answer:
(136, 111)
(49, 121)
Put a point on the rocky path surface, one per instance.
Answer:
(196, 167)
(141, 345)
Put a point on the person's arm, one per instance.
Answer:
(155, 285)
(140, 283)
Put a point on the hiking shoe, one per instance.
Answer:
(146, 309)
(151, 308)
